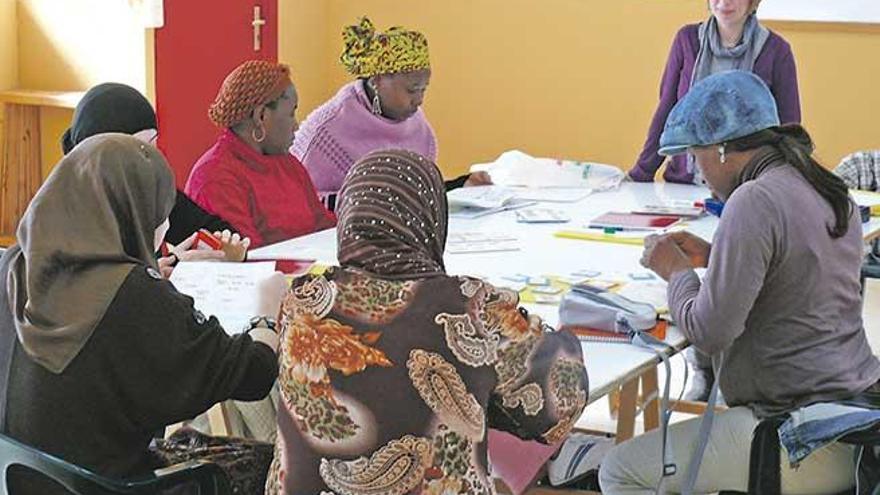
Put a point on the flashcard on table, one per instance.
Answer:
(547, 299)
(538, 281)
(541, 215)
(548, 290)
(480, 242)
(602, 284)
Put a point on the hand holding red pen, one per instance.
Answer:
(186, 251)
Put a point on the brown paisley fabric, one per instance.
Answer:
(389, 386)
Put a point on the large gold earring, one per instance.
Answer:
(262, 137)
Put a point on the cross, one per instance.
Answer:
(257, 23)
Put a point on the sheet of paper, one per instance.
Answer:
(480, 242)
(865, 198)
(480, 196)
(541, 215)
(468, 212)
(319, 247)
(225, 290)
(552, 194)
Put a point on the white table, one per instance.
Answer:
(609, 366)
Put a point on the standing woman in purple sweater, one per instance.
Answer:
(732, 38)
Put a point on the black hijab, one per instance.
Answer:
(117, 108)
(109, 107)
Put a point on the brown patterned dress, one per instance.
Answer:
(389, 386)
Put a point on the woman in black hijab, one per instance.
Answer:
(114, 107)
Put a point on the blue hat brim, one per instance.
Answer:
(673, 149)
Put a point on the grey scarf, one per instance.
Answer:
(715, 57)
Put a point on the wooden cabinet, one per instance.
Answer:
(21, 168)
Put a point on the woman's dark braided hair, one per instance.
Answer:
(796, 146)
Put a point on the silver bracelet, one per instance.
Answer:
(262, 322)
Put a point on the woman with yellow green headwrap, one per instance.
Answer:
(380, 109)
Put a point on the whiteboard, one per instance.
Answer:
(865, 11)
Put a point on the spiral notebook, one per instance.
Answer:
(592, 335)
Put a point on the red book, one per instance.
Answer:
(633, 221)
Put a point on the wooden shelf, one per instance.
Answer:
(56, 99)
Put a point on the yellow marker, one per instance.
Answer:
(600, 237)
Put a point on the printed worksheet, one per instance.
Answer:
(225, 290)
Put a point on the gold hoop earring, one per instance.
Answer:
(262, 134)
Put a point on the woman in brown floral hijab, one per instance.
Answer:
(392, 371)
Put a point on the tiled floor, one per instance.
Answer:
(598, 417)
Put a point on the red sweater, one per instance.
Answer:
(266, 198)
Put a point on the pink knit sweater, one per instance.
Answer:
(342, 130)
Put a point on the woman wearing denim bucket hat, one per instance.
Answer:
(732, 38)
(779, 307)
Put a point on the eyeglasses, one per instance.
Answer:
(148, 136)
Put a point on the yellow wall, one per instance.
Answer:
(839, 77)
(569, 78)
(574, 78)
(303, 44)
(71, 45)
(8, 45)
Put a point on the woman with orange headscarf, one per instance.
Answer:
(248, 177)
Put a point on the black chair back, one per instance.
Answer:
(206, 477)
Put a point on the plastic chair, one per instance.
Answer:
(206, 476)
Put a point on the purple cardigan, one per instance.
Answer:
(775, 65)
